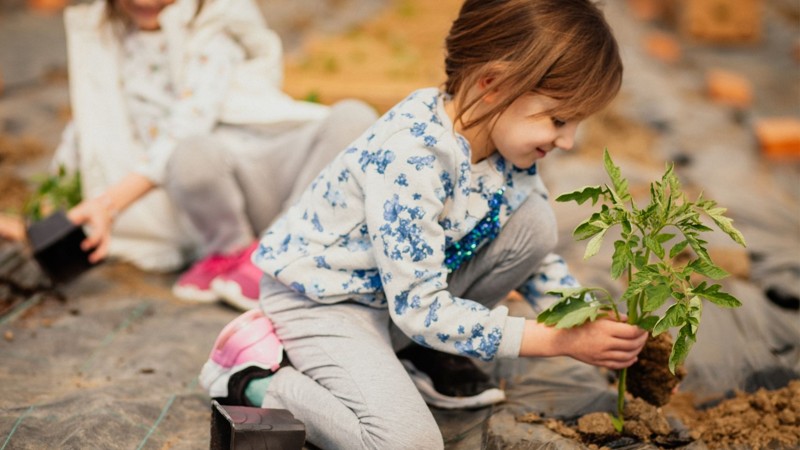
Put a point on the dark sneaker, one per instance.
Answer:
(449, 381)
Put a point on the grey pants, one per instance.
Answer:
(233, 183)
(345, 382)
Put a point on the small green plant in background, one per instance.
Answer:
(650, 239)
(61, 190)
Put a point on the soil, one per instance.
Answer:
(761, 420)
(649, 378)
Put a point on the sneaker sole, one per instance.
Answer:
(193, 294)
(425, 387)
(215, 379)
(231, 293)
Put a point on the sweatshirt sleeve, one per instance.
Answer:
(407, 184)
(553, 273)
(197, 105)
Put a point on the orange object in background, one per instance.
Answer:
(663, 46)
(47, 6)
(729, 88)
(721, 21)
(779, 137)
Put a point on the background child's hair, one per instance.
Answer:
(118, 19)
(563, 49)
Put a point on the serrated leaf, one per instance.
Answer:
(677, 248)
(620, 190)
(654, 246)
(708, 269)
(585, 230)
(674, 317)
(680, 349)
(724, 223)
(717, 297)
(621, 259)
(568, 311)
(593, 246)
(581, 195)
(655, 296)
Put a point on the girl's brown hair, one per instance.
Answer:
(563, 49)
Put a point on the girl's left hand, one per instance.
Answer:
(96, 213)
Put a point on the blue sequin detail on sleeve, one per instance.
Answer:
(486, 230)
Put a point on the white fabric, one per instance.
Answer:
(151, 233)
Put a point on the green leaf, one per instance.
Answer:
(620, 184)
(586, 229)
(594, 244)
(674, 317)
(618, 423)
(570, 311)
(664, 237)
(621, 259)
(717, 297)
(656, 295)
(677, 248)
(654, 246)
(724, 223)
(581, 195)
(708, 269)
(647, 323)
(680, 349)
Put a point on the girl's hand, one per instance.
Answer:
(98, 215)
(605, 342)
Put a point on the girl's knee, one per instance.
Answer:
(193, 162)
(531, 231)
(422, 435)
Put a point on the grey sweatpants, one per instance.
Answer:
(345, 382)
(233, 183)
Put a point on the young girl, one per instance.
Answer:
(185, 143)
(426, 222)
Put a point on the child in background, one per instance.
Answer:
(185, 143)
(425, 223)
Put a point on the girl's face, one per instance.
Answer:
(522, 135)
(143, 13)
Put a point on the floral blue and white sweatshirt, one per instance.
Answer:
(377, 223)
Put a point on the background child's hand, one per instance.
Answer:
(96, 214)
(12, 227)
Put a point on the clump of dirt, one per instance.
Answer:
(649, 378)
(763, 419)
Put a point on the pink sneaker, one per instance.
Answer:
(246, 348)
(195, 284)
(238, 286)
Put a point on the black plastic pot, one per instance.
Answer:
(56, 245)
(244, 427)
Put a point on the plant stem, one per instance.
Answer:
(621, 381)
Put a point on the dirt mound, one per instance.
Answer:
(764, 419)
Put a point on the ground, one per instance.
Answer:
(110, 360)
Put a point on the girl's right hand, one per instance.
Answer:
(97, 214)
(604, 342)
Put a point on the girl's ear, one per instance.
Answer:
(487, 83)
